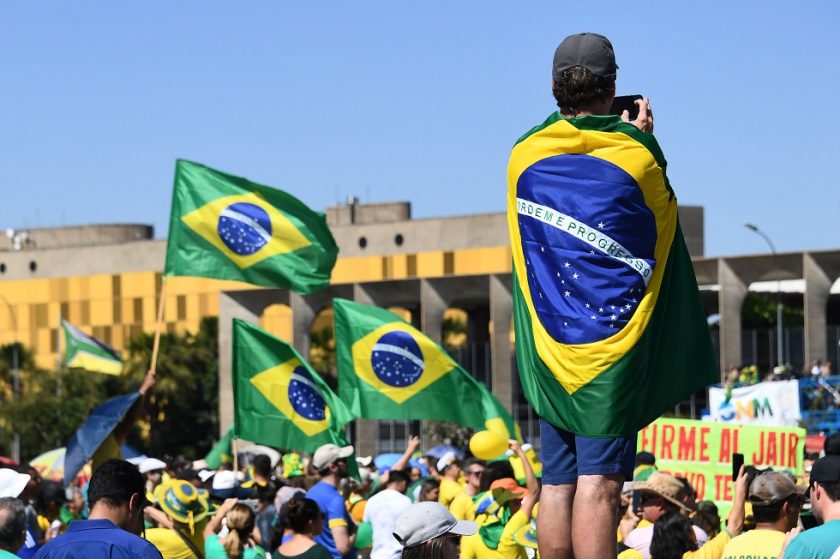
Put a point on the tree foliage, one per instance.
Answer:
(183, 410)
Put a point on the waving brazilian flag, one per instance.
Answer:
(227, 227)
(279, 400)
(387, 369)
(610, 328)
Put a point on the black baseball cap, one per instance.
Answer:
(826, 469)
(589, 50)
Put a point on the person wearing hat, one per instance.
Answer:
(449, 468)
(580, 473)
(428, 530)
(337, 535)
(776, 504)
(824, 489)
(661, 493)
(153, 470)
(186, 508)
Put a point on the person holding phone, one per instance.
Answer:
(776, 504)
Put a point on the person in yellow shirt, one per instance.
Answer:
(450, 471)
(674, 536)
(776, 504)
(181, 534)
(462, 505)
(495, 537)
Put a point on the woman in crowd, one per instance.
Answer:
(240, 521)
(429, 531)
(305, 520)
(429, 490)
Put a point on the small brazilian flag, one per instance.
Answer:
(387, 369)
(83, 351)
(226, 227)
(279, 400)
(610, 328)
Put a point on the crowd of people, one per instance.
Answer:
(420, 506)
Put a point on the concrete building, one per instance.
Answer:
(106, 280)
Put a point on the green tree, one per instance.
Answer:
(759, 311)
(183, 408)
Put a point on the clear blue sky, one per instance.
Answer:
(416, 101)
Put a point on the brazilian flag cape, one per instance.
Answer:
(279, 400)
(610, 328)
(387, 369)
(227, 227)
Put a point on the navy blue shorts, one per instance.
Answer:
(565, 456)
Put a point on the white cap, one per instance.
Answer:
(445, 460)
(150, 465)
(426, 521)
(12, 483)
(329, 453)
(204, 475)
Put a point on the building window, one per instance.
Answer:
(362, 242)
(181, 302)
(411, 265)
(386, 267)
(33, 266)
(138, 310)
(392, 436)
(398, 239)
(448, 263)
(2, 268)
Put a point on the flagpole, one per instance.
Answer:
(161, 305)
(234, 446)
(58, 361)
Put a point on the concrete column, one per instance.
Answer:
(501, 319)
(303, 313)
(432, 306)
(245, 305)
(366, 437)
(817, 288)
(733, 290)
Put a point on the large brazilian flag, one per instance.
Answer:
(610, 328)
(387, 369)
(227, 227)
(279, 400)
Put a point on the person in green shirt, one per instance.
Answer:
(12, 526)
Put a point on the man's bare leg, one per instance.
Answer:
(554, 521)
(595, 517)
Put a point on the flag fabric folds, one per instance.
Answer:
(227, 227)
(222, 451)
(387, 369)
(610, 328)
(279, 400)
(83, 351)
(96, 429)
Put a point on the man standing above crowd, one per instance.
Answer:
(822, 541)
(382, 511)
(331, 462)
(776, 504)
(116, 496)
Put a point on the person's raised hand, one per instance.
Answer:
(413, 443)
(148, 382)
(514, 445)
(644, 121)
(227, 505)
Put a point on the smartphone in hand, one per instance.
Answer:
(737, 462)
(626, 103)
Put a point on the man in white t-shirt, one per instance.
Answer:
(382, 511)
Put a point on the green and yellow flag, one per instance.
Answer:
(610, 328)
(279, 400)
(83, 351)
(222, 451)
(387, 369)
(227, 227)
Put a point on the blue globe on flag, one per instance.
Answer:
(244, 228)
(304, 396)
(397, 359)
